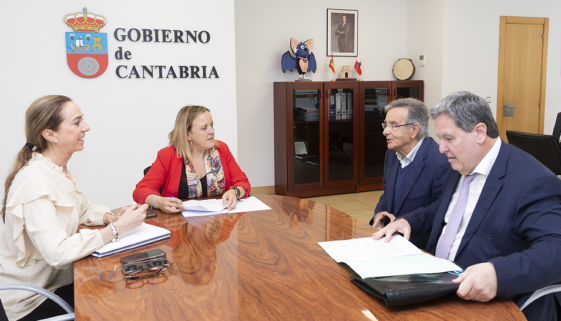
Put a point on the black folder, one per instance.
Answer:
(409, 289)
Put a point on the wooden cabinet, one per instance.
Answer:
(374, 96)
(328, 135)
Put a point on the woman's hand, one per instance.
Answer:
(131, 217)
(169, 204)
(108, 217)
(229, 199)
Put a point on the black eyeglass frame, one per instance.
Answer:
(160, 265)
(393, 127)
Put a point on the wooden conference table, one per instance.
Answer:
(262, 265)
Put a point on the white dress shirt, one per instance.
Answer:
(411, 156)
(39, 239)
(475, 188)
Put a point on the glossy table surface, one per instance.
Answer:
(263, 265)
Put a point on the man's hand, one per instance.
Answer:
(478, 283)
(379, 219)
(401, 226)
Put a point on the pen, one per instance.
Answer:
(173, 197)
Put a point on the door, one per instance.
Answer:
(522, 74)
(304, 136)
(374, 96)
(340, 134)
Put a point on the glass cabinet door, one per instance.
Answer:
(306, 136)
(340, 139)
(409, 89)
(374, 142)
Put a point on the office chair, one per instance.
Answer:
(545, 148)
(541, 292)
(50, 295)
(146, 172)
(557, 127)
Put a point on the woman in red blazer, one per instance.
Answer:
(194, 165)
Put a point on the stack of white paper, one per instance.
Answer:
(215, 207)
(144, 234)
(369, 258)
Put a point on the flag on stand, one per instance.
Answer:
(331, 64)
(358, 64)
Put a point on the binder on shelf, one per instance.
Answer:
(338, 106)
(349, 105)
(332, 107)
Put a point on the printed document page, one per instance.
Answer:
(369, 258)
(215, 207)
(366, 248)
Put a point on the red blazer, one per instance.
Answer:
(166, 172)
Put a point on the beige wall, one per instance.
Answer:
(459, 39)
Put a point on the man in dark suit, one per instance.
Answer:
(342, 31)
(499, 215)
(414, 168)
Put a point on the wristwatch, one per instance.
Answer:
(115, 232)
(238, 193)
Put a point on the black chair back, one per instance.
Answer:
(557, 128)
(3, 316)
(146, 170)
(545, 148)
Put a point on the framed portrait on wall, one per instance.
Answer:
(342, 32)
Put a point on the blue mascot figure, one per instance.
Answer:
(300, 57)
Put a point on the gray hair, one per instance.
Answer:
(467, 110)
(418, 113)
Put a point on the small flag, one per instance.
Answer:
(358, 64)
(331, 64)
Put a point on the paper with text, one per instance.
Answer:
(369, 258)
(215, 207)
(366, 248)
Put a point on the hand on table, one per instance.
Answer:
(401, 226)
(229, 199)
(131, 217)
(478, 282)
(169, 204)
(379, 219)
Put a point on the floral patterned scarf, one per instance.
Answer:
(216, 184)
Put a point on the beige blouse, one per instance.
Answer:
(39, 239)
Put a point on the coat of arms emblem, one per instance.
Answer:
(86, 47)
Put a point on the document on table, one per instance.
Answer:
(144, 234)
(369, 258)
(215, 207)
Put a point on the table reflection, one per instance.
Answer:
(194, 243)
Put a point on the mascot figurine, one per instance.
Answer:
(300, 57)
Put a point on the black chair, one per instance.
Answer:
(146, 172)
(557, 127)
(544, 148)
(50, 295)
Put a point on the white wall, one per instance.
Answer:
(471, 48)
(129, 118)
(425, 33)
(263, 32)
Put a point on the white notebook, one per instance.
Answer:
(144, 234)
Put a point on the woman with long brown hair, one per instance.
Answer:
(193, 165)
(43, 207)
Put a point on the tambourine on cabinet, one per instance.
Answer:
(328, 135)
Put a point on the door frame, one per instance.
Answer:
(502, 44)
